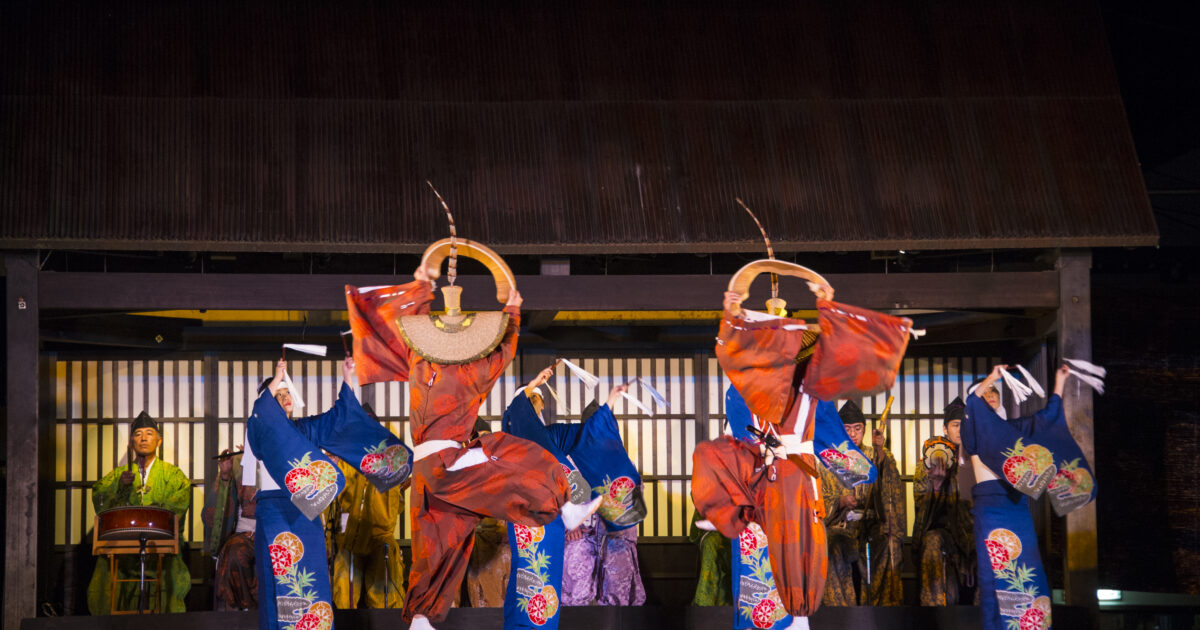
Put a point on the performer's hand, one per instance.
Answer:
(847, 501)
(348, 371)
(733, 303)
(225, 466)
(543, 376)
(514, 298)
(1060, 379)
(877, 438)
(126, 477)
(615, 393)
(575, 534)
(937, 476)
(421, 275)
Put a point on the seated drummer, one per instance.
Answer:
(146, 480)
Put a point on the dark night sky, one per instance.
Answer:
(1156, 50)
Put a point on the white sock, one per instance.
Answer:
(706, 525)
(574, 515)
(799, 623)
(420, 622)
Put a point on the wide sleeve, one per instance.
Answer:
(177, 491)
(520, 419)
(379, 350)
(499, 359)
(1049, 414)
(831, 494)
(322, 427)
(109, 493)
(895, 510)
(760, 360)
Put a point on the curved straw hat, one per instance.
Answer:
(453, 338)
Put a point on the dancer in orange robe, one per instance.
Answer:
(734, 483)
(456, 481)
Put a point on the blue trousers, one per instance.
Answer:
(533, 599)
(293, 573)
(1012, 581)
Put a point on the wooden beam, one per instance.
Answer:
(21, 529)
(1075, 341)
(150, 291)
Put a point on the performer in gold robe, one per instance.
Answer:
(366, 556)
(865, 526)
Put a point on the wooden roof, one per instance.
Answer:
(586, 127)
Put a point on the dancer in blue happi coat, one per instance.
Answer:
(296, 482)
(1013, 461)
(755, 600)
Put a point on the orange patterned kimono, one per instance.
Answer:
(519, 481)
(730, 485)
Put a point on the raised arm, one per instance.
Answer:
(499, 359)
(760, 359)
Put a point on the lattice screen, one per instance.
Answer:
(95, 401)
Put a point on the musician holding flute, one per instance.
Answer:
(145, 480)
(228, 518)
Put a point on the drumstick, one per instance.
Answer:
(227, 455)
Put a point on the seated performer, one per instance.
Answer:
(865, 526)
(943, 543)
(491, 558)
(147, 480)
(456, 482)
(712, 586)
(296, 481)
(229, 524)
(366, 556)
(1012, 461)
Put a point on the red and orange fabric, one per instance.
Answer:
(730, 485)
(520, 482)
(858, 352)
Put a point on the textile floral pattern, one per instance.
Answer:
(1029, 468)
(758, 600)
(312, 484)
(847, 464)
(383, 465)
(622, 503)
(1071, 488)
(297, 606)
(535, 596)
(1021, 605)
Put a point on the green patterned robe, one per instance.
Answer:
(168, 487)
(882, 527)
(714, 587)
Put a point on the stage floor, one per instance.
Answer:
(585, 617)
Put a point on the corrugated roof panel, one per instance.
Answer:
(550, 176)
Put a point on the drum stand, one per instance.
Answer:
(142, 546)
(142, 574)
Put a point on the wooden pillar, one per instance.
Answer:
(1075, 341)
(21, 531)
